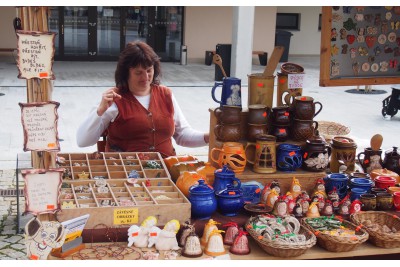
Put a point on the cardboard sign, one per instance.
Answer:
(35, 54)
(42, 189)
(126, 216)
(295, 81)
(39, 121)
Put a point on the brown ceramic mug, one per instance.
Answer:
(280, 132)
(280, 115)
(384, 201)
(255, 129)
(227, 132)
(228, 114)
(368, 202)
(304, 108)
(303, 129)
(258, 114)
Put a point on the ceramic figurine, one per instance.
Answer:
(272, 197)
(355, 206)
(275, 185)
(313, 210)
(241, 244)
(304, 201)
(295, 188)
(186, 230)
(215, 245)
(319, 194)
(167, 237)
(333, 196)
(297, 210)
(320, 201)
(319, 185)
(154, 234)
(344, 209)
(280, 208)
(139, 236)
(210, 226)
(42, 237)
(290, 202)
(328, 208)
(192, 248)
(230, 232)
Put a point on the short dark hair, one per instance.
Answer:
(136, 54)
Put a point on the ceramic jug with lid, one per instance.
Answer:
(392, 160)
(316, 155)
(223, 177)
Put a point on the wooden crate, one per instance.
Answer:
(125, 203)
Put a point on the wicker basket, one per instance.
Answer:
(379, 238)
(291, 68)
(337, 243)
(330, 129)
(283, 250)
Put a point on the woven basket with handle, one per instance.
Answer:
(283, 250)
(379, 238)
(339, 243)
(330, 129)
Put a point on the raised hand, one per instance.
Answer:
(107, 99)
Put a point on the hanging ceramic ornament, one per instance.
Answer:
(192, 248)
(295, 188)
(240, 245)
(215, 245)
(230, 232)
(313, 210)
(210, 226)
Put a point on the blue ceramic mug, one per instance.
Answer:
(338, 181)
(288, 157)
(231, 92)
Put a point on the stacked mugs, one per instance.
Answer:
(257, 121)
(304, 111)
(280, 122)
(228, 123)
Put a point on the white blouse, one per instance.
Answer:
(93, 126)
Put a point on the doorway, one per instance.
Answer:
(100, 33)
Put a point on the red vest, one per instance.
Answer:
(139, 130)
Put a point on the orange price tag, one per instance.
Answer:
(282, 81)
(265, 114)
(395, 216)
(34, 257)
(43, 74)
(282, 130)
(303, 98)
(258, 190)
(135, 234)
(258, 146)
(316, 233)
(260, 84)
(153, 234)
(249, 226)
(305, 155)
(239, 152)
(353, 238)
(286, 114)
(366, 161)
(191, 164)
(232, 193)
(50, 207)
(260, 237)
(51, 145)
(358, 228)
(292, 153)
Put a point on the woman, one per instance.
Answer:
(139, 114)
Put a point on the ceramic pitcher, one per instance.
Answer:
(372, 159)
(303, 108)
(231, 92)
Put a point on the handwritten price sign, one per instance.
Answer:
(295, 81)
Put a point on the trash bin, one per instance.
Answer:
(224, 51)
(282, 38)
(183, 55)
(208, 58)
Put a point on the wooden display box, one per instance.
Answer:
(123, 203)
(307, 179)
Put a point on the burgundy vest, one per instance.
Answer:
(137, 129)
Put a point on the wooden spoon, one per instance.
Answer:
(376, 142)
(273, 61)
(218, 61)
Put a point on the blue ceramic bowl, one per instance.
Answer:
(356, 193)
(361, 183)
(338, 181)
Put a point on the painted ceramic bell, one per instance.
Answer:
(230, 233)
(320, 186)
(328, 208)
(313, 210)
(210, 226)
(344, 209)
(275, 185)
(192, 248)
(240, 245)
(215, 245)
(295, 188)
(320, 202)
(297, 210)
(355, 206)
(333, 196)
(272, 197)
(280, 208)
(202, 198)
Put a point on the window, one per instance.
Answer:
(288, 21)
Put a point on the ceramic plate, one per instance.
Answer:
(257, 208)
(392, 37)
(382, 39)
(365, 66)
(375, 67)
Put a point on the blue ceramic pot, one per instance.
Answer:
(202, 198)
(356, 193)
(338, 181)
(252, 192)
(223, 177)
(362, 183)
(288, 157)
(230, 201)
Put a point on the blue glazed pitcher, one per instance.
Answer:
(288, 157)
(231, 92)
(223, 177)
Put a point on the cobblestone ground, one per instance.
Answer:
(12, 244)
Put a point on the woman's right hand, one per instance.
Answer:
(107, 99)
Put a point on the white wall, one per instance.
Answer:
(307, 41)
(8, 38)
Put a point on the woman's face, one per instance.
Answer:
(140, 79)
